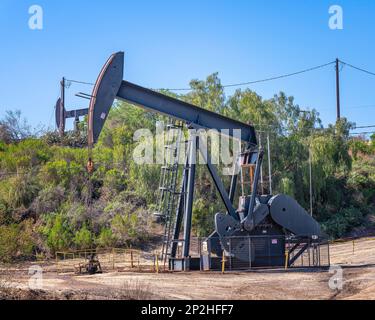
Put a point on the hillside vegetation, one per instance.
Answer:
(46, 206)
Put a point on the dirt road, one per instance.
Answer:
(358, 282)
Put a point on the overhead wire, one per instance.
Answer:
(357, 68)
(362, 133)
(235, 84)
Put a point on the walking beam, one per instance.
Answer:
(110, 86)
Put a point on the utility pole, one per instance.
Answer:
(311, 190)
(62, 119)
(338, 88)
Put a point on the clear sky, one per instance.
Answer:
(168, 43)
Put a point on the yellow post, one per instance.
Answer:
(286, 259)
(353, 246)
(223, 263)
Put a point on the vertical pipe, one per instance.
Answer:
(233, 182)
(62, 113)
(190, 195)
(338, 89)
(261, 166)
(269, 162)
(249, 252)
(311, 190)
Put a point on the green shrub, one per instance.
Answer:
(128, 228)
(16, 241)
(48, 200)
(83, 238)
(114, 181)
(19, 190)
(59, 235)
(25, 155)
(4, 213)
(343, 221)
(106, 239)
(60, 172)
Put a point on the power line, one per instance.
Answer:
(255, 81)
(360, 133)
(260, 80)
(357, 107)
(357, 68)
(235, 84)
(363, 127)
(264, 80)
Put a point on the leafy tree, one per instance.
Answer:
(13, 128)
(208, 94)
(59, 234)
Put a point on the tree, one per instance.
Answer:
(208, 94)
(59, 235)
(13, 128)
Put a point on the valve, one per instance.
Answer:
(90, 166)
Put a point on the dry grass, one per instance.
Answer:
(134, 290)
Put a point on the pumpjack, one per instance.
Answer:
(256, 215)
(61, 114)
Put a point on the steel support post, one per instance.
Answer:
(255, 183)
(233, 182)
(189, 195)
(180, 205)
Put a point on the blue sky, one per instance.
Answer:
(168, 43)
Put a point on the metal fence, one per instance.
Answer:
(113, 259)
(230, 253)
(269, 251)
(316, 254)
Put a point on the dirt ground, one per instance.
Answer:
(358, 267)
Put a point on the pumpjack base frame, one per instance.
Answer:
(185, 264)
(287, 253)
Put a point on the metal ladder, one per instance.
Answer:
(168, 184)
